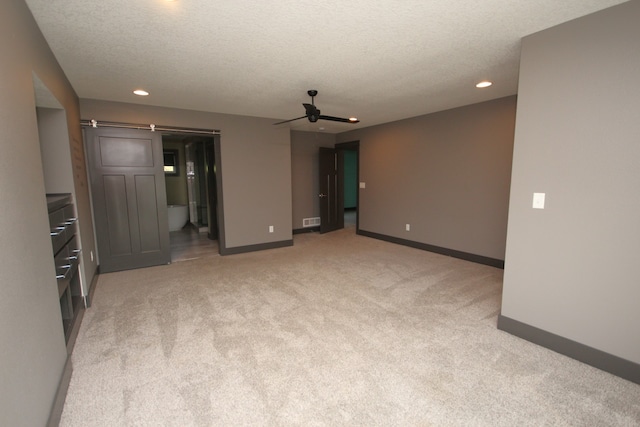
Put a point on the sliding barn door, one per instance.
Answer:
(129, 197)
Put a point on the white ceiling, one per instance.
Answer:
(378, 60)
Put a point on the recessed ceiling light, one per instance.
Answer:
(484, 84)
(141, 92)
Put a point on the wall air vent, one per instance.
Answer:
(310, 222)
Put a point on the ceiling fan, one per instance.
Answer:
(313, 114)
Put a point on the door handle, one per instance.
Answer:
(321, 195)
(64, 276)
(59, 231)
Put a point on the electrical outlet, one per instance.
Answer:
(407, 227)
(271, 229)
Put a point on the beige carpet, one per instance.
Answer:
(337, 330)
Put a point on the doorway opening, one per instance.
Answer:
(192, 199)
(129, 194)
(349, 153)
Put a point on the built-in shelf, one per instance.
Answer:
(66, 254)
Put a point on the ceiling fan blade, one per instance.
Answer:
(287, 121)
(338, 119)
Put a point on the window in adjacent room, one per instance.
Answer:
(171, 162)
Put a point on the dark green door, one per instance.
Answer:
(129, 197)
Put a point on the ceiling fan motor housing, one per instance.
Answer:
(313, 117)
(313, 114)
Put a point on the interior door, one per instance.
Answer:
(129, 197)
(331, 190)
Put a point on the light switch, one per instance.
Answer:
(538, 200)
(363, 185)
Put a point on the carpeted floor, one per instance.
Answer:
(339, 329)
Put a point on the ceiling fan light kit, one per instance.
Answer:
(313, 113)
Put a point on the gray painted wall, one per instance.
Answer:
(33, 353)
(446, 174)
(56, 161)
(255, 165)
(572, 269)
(304, 173)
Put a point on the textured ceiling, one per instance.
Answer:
(378, 60)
